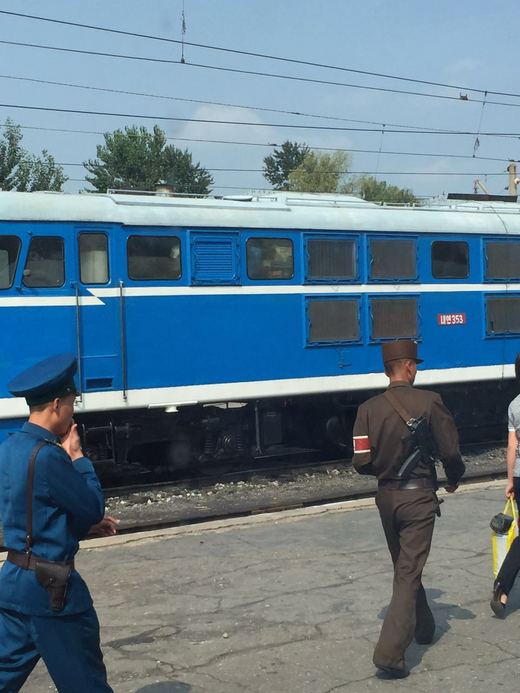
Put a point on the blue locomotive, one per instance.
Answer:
(208, 329)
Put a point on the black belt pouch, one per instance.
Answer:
(55, 578)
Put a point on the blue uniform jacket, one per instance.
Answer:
(67, 501)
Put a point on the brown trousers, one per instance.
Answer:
(408, 518)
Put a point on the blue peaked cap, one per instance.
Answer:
(53, 377)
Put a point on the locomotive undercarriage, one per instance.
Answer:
(211, 434)
(207, 435)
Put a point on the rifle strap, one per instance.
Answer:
(30, 482)
(397, 406)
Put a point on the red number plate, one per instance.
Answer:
(447, 319)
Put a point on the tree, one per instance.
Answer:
(127, 160)
(136, 159)
(20, 170)
(10, 154)
(185, 176)
(282, 162)
(320, 172)
(374, 190)
(39, 173)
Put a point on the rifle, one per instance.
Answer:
(422, 448)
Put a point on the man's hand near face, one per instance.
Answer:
(71, 443)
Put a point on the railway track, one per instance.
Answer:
(205, 479)
(272, 507)
(277, 469)
(255, 490)
(291, 487)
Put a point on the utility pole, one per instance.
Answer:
(513, 180)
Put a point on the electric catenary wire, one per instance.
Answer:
(274, 145)
(290, 126)
(255, 73)
(210, 103)
(264, 56)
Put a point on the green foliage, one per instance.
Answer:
(136, 159)
(20, 170)
(40, 173)
(374, 190)
(282, 162)
(185, 176)
(10, 155)
(320, 172)
(328, 173)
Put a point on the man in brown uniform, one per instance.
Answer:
(407, 507)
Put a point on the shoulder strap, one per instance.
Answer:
(30, 482)
(397, 406)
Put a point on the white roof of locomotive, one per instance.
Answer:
(276, 210)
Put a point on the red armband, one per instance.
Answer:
(361, 444)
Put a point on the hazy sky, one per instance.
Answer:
(466, 44)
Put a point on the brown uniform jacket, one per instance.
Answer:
(382, 440)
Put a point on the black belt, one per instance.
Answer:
(29, 562)
(407, 484)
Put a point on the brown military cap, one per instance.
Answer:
(400, 349)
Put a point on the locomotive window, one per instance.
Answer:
(502, 314)
(93, 258)
(393, 259)
(45, 266)
(394, 317)
(9, 250)
(503, 260)
(450, 259)
(334, 320)
(154, 257)
(270, 258)
(331, 259)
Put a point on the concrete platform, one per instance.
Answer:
(293, 603)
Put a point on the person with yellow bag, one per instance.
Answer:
(508, 571)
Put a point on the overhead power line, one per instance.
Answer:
(291, 126)
(369, 173)
(257, 73)
(353, 173)
(214, 103)
(264, 56)
(445, 155)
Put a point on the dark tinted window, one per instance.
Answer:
(331, 259)
(450, 259)
(333, 320)
(93, 258)
(9, 251)
(270, 258)
(45, 266)
(394, 317)
(502, 314)
(393, 259)
(154, 258)
(503, 260)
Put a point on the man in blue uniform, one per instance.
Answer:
(50, 498)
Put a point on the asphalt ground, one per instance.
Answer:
(293, 602)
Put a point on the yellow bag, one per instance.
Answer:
(501, 543)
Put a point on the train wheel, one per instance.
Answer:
(179, 453)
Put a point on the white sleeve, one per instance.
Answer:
(511, 418)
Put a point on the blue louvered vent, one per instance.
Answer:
(214, 258)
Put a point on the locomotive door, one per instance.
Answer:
(97, 313)
(40, 320)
